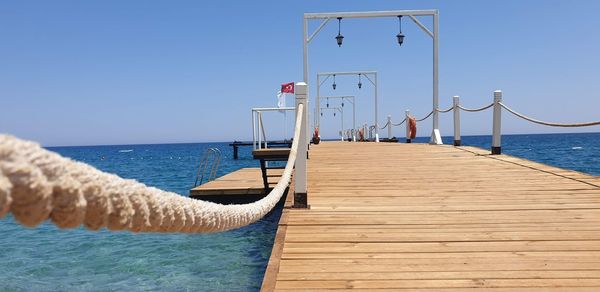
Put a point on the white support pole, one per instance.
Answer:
(407, 115)
(455, 103)
(258, 117)
(389, 127)
(353, 119)
(376, 112)
(300, 192)
(435, 134)
(254, 130)
(318, 102)
(496, 133)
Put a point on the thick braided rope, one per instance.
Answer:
(574, 125)
(476, 109)
(37, 184)
(427, 116)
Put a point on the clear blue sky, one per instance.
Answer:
(117, 72)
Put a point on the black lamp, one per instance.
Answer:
(328, 101)
(334, 85)
(359, 81)
(400, 36)
(339, 38)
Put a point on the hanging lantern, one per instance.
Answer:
(334, 85)
(328, 101)
(321, 113)
(334, 114)
(359, 81)
(339, 38)
(342, 104)
(400, 36)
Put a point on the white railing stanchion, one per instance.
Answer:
(456, 109)
(389, 125)
(496, 132)
(300, 192)
(407, 114)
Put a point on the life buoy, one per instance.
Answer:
(316, 139)
(412, 126)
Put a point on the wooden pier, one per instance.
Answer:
(415, 216)
(242, 186)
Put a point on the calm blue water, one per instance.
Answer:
(47, 258)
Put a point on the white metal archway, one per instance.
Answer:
(412, 14)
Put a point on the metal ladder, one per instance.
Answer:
(212, 157)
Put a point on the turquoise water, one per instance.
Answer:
(47, 258)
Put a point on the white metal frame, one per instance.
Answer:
(337, 109)
(326, 76)
(258, 129)
(350, 98)
(412, 14)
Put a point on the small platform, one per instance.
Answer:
(241, 186)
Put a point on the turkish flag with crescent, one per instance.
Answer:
(287, 87)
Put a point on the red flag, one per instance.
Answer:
(287, 87)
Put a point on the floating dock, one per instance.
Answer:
(414, 216)
(241, 186)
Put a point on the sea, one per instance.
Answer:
(46, 258)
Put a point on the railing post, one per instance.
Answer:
(496, 134)
(389, 125)
(455, 103)
(407, 115)
(300, 193)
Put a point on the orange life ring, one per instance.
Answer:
(412, 126)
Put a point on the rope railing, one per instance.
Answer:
(427, 116)
(385, 126)
(398, 124)
(475, 109)
(37, 184)
(574, 125)
(444, 111)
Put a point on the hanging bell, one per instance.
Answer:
(321, 114)
(334, 86)
(334, 114)
(342, 104)
(359, 85)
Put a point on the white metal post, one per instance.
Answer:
(435, 135)
(342, 130)
(254, 130)
(389, 125)
(353, 119)
(376, 112)
(318, 103)
(300, 197)
(407, 115)
(496, 133)
(455, 103)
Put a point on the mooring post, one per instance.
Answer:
(389, 125)
(407, 114)
(496, 134)
(455, 103)
(300, 194)
(235, 152)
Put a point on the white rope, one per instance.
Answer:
(427, 116)
(475, 109)
(399, 123)
(444, 111)
(37, 184)
(548, 123)
(386, 124)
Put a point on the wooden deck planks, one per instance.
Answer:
(414, 216)
(240, 182)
